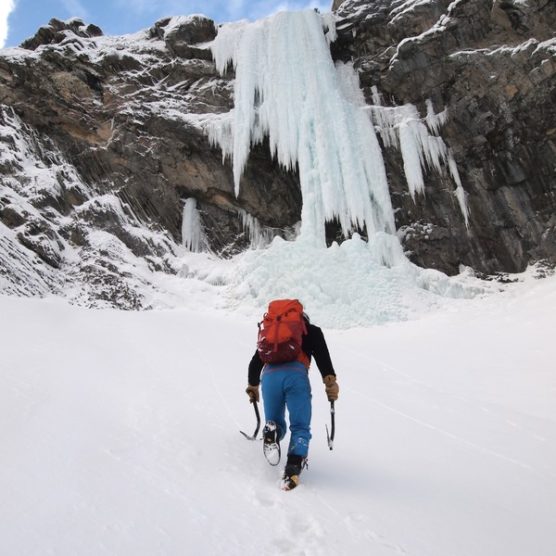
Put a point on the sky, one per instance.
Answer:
(20, 19)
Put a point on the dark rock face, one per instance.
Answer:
(492, 65)
(102, 139)
(180, 38)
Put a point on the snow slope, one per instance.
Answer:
(120, 435)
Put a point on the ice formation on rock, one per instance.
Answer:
(288, 89)
(193, 237)
(420, 145)
(259, 236)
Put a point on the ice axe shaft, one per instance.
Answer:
(258, 416)
(330, 435)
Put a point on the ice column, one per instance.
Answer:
(193, 237)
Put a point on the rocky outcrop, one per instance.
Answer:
(58, 31)
(492, 66)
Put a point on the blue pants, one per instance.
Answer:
(287, 385)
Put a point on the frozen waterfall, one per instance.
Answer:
(314, 114)
(193, 237)
(287, 88)
(315, 117)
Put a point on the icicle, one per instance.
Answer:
(329, 25)
(403, 128)
(225, 49)
(412, 155)
(435, 121)
(193, 237)
(258, 235)
(460, 192)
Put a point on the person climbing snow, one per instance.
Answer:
(286, 343)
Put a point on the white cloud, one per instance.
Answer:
(76, 9)
(6, 8)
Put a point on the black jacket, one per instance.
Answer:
(313, 344)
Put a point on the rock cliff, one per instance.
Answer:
(492, 66)
(101, 143)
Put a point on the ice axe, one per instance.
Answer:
(257, 414)
(330, 435)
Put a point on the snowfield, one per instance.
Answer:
(120, 435)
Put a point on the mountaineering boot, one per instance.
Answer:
(294, 466)
(271, 443)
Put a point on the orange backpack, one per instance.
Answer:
(281, 332)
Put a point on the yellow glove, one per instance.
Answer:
(331, 387)
(253, 393)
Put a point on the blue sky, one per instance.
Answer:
(20, 19)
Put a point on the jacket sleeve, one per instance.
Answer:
(320, 352)
(255, 367)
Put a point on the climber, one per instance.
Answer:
(286, 342)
